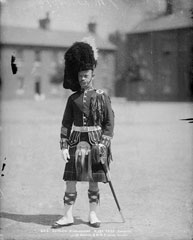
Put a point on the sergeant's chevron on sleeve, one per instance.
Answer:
(64, 132)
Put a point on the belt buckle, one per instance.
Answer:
(85, 128)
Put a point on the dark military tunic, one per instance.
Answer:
(89, 109)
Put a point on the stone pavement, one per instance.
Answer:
(152, 173)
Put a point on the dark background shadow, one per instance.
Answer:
(42, 219)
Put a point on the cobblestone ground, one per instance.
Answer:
(152, 173)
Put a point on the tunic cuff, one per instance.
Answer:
(63, 143)
(106, 140)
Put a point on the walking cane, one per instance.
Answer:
(107, 173)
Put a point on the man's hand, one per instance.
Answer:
(65, 155)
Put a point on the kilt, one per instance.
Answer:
(98, 174)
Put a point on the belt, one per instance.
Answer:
(86, 128)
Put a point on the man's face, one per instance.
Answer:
(85, 79)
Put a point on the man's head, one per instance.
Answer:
(85, 78)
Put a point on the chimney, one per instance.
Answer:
(44, 23)
(92, 27)
(169, 7)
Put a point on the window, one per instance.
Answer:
(37, 56)
(104, 60)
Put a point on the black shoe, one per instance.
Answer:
(56, 225)
(95, 225)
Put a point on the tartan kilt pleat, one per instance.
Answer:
(98, 174)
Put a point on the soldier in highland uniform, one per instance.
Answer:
(86, 132)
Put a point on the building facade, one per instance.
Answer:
(161, 65)
(39, 57)
(159, 56)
